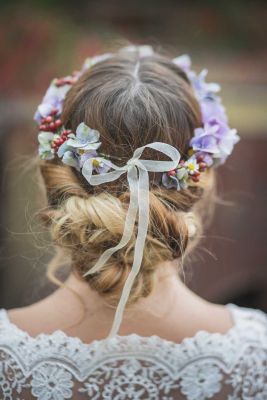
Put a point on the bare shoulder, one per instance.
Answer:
(35, 318)
(57, 311)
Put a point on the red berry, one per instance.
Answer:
(200, 158)
(195, 178)
(42, 127)
(196, 173)
(172, 172)
(202, 166)
(48, 119)
(52, 126)
(54, 111)
(58, 123)
(54, 145)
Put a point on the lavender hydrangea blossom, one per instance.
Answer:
(81, 147)
(53, 100)
(216, 139)
(175, 181)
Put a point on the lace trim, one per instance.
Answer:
(58, 367)
(249, 328)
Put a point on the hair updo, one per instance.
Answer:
(131, 101)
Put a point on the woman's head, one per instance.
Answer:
(132, 101)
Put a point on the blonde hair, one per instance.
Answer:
(131, 101)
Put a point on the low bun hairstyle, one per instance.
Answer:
(131, 101)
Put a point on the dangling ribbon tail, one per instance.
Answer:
(138, 180)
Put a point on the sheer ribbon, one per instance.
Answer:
(138, 180)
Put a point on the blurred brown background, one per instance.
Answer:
(40, 40)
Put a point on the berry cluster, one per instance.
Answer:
(61, 139)
(193, 168)
(52, 133)
(51, 123)
(201, 168)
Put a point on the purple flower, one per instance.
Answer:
(207, 158)
(72, 159)
(85, 138)
(204, 140)
(81, 147)
(99, 164)
(212, 108)
(170, 181)
(226, 138)
(202, 88)
(206, 93)
(53, 99)
(46, 109)
(178, 180)
(86, 156)
(221, 128)
(226, 144)
(216, 139)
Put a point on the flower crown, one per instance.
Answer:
(210, 145)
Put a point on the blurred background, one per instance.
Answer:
(43, 39)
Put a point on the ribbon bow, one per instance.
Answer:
(138, 179)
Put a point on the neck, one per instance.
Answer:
(171, 311)
(170, 295)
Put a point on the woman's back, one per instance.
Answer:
(205, 366)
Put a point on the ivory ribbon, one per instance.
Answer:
(138, 180)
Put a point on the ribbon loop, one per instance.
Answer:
(138, 180)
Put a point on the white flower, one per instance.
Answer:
(191, 165)
(201, 381)
(85, 141)
(183, 62)
(50, 382)
(45, 150)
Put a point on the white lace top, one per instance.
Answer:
(207, 366)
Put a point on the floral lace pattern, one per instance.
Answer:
(230, 366)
